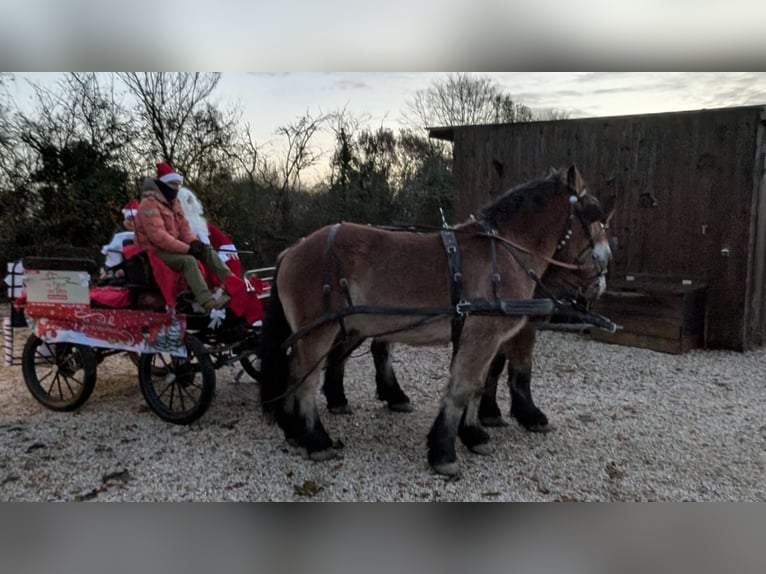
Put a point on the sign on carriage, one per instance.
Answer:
(62, 287)
(15, 279)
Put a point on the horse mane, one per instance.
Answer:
(524, 198)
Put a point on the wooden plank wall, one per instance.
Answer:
(685, 189)
(755, 332)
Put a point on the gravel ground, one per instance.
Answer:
(629, 425)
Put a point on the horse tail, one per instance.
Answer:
(274, 359)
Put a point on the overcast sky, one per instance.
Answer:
(271, 99)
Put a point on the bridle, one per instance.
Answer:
(576, 212)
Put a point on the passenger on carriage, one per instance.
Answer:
(163, 230)
(113, 251)
(207, 232)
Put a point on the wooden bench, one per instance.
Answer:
(663, 314)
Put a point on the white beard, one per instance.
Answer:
(193, 211)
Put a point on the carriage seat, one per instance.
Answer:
(138, 272)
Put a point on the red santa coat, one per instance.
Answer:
(225, 248)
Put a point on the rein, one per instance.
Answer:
(488, 232)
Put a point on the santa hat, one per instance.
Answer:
(131, 209)
(166, 174)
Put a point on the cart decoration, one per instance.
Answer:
(137, 331)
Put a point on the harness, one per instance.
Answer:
(460, 307)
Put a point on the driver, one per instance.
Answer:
(162, 228)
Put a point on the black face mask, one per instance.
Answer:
(169, 192)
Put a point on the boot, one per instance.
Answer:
(219, 303)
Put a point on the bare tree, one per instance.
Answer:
(82, 107)
(300, 153)
(179, 124)
(552, 114)
(299, 156)
(463, 99)
(248, 161)
(11, 161)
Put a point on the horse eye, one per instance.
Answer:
(592, 213)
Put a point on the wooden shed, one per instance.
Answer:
(690, 192)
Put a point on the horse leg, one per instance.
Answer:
(459, 406)
(337, 403)
(306, 373)
(523, 408)
(470, 432)
(489, 412)
(387, 386)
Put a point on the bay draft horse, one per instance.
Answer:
(367, 282)
(517, 353)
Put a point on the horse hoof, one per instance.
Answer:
(401, 407)
(340, 410)
(446, 468)
(494, 422)
(539, 428)
(323, 455)
(483, 448)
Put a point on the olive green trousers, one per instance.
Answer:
(187, 265)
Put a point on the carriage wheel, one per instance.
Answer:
(178, 389)
(135, 358)
(61, 376)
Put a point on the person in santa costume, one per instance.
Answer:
(207, 232)
(245, 300)
(113, 251)
(163, 230)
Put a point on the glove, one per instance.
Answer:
(197, 249)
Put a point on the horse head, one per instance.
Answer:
(583, 252)
(558, 221)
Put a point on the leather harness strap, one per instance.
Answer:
(456, 284)
(460, 307)
(331, 264)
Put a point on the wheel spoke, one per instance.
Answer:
(50, 373)
(74, 379)
(173, 387)
(54, 382)
(184, 390)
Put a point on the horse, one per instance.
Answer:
(472, 285)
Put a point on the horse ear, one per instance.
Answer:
(575, 181)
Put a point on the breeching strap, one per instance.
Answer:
(456, 284)
(331, 264)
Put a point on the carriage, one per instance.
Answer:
(177, 351)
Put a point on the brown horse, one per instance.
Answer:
(474, 289)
